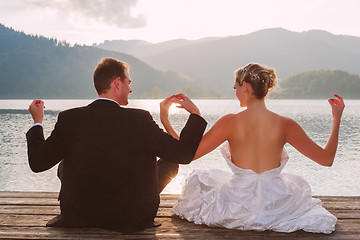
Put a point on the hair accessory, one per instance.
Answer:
(254, 76)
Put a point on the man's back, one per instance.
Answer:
(104, 165)
(109, 162)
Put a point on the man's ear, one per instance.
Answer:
(116, 82)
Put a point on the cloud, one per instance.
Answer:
(112, 12)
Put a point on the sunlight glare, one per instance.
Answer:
(174, 109)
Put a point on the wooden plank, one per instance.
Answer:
(166, 203)
(339, 198)
(350, 205)
(340, 214)
(69, 233)
(341, 205)
(23, 215)
(187, 229)
(174, 229)
(29, 201)
(46, 206)
(19, 194)
(16, 220)
(29, 210)
(162, 212)
(167, 200)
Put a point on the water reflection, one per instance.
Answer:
(313, 115)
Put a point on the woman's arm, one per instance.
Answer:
(184, 102)
(218, 134)
(212, 139)
(297, 137)
(164, 116)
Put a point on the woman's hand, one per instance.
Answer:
(337, 106)
(164, 116)
(186, 103)
(165, 105)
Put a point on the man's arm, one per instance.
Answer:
(180, 150)
(42, 154)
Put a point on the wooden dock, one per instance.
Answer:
(23, 215)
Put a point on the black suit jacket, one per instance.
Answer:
(109, 161)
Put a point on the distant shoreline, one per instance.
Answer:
(9, 99)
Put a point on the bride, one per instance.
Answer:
(256, 195)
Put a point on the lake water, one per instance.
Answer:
(314, 116)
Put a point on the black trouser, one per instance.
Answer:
(166, 172)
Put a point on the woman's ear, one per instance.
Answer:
(247, 86)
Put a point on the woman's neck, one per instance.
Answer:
(254, 103)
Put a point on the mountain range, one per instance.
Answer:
(212, 61)
(37, 67)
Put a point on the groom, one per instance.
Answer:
(109, 173)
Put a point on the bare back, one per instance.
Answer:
(256, 139)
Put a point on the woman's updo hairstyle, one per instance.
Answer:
(261, 78)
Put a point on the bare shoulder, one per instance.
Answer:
(288, 124)
(275, 118)
(240, 115)
(286, 120)
(226, 120)
(227, 117)
(275, 115)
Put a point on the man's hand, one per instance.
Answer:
(185, 103)
(36, 109)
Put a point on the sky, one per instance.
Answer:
(94, 21)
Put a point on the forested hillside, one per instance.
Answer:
(37, 67)
(319, 85)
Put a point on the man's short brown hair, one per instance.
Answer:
(106, 71)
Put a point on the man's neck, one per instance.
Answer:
(107, 98)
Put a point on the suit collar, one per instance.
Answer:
(109, 99)
(105, 102)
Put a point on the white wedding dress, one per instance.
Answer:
(246, 200)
